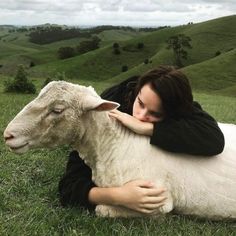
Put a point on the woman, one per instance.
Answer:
(158, 104)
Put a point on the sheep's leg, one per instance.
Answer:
(112, 211)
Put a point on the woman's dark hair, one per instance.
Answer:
(172, 86)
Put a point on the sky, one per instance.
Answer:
(113, 12)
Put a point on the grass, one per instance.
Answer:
(28, 187)
(29, 203)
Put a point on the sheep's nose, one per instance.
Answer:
(7, 135)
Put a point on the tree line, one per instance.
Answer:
(83, 47)
(53, 34)
(50, 34)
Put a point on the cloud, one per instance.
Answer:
(116, 12)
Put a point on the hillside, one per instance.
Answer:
(217, 74)
(206, 71)
(207, 39)
(15, 47)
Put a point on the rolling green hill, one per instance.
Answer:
(217, 74)
(206, 71)
(207, 38)
(15, 48)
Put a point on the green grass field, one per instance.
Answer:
(28, 188)
(29, 202)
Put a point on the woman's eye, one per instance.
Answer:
(140, 104)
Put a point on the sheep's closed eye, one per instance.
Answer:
(57, 110)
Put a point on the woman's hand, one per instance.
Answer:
(141, 196)
(137, 126)
(138, 195)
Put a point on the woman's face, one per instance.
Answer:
(148, 105)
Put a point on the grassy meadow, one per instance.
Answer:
(29, 202)
(28, 189)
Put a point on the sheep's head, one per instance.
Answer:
(54, 117)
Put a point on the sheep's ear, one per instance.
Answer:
(107, 106)
(99, 104)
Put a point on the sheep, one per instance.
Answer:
(66, 113)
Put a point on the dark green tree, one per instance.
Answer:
(124, 68)
(116, 45)
(66, 52)
(179, 43)
(116, 51)
(46, 81)
(140, 45)
(20, 84)
(88, 45)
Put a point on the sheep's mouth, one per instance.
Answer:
(19, 149)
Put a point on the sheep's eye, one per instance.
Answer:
(57, 111)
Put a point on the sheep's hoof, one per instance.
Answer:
(105, 211)
(112, 211)
(168, 207)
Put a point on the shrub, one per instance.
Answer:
(32, 64)
(20, 84)
(146, 61)
(46, 81)
(116, 51)
(116, 45)
(140, 45)
(217, 53)
(124, 68)
(66, 52)
(88, 45)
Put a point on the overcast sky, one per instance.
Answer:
(113, 12)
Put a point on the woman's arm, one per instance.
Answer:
(137, 126)
(76, 188)
(138, 195)
(198, 134)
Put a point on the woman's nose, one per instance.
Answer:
(143, 116)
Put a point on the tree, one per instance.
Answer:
(140, 45)
(116, 51)
(32, 64)
(20, 83)
(124, 68)
(116, 45)
(66, 52)
(178, 43)
(88, 45)
(46, 81)
(217, 53)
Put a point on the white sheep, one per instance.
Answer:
(65, 113)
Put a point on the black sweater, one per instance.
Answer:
(196, 134)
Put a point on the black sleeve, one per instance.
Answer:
(198, 134)
(76, 183)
